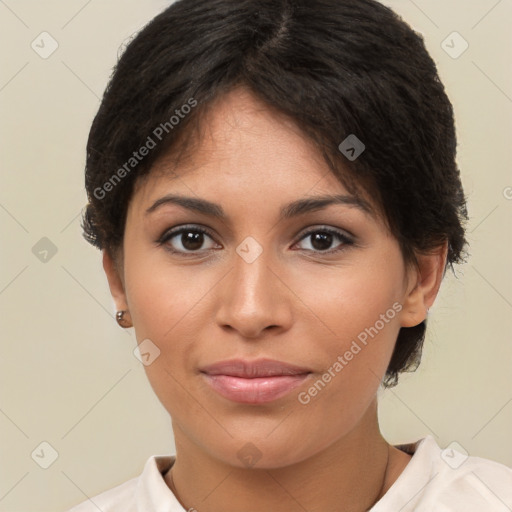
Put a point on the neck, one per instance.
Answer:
(349, 476)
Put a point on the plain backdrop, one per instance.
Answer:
(68, 376)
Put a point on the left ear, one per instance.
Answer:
(424, 282)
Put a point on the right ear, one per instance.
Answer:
(115, 281)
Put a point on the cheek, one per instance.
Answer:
(170, 306)
(346, 301)
(163, 297)
(359, 322)
(354, 316)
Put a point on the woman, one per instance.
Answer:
(274, 188)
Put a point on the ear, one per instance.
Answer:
(423, 285)
(115, 281)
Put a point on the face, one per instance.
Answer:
(322, 291)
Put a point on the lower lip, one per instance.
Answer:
(259, 390)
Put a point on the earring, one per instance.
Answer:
(122, 320)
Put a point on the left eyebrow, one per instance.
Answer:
(293, 209)
(311, 204)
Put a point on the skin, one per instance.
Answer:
(294, 303)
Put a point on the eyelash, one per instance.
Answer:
(170, 234)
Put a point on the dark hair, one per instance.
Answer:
(336, 67)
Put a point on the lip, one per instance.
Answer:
(254, 382)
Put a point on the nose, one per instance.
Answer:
(254, 299)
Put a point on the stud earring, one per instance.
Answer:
(124, 319)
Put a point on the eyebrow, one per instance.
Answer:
(293, 209)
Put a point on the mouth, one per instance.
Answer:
(254, 382)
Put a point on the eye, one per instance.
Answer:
(187, 240)
(321, 240)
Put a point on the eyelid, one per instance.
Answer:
(180, 227)
(346, 238)
(176, 230)
(329, 229)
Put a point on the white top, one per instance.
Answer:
(433, 480)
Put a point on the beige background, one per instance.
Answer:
(68, 374)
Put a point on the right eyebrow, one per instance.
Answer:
(191, 203)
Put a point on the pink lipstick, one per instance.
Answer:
(254, 382)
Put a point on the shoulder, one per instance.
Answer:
(472, 482)
(121, 497)
(135, 494)
(448, 480)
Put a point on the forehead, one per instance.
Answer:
(244, 149)
(240, 131)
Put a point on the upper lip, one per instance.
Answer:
(252, 369)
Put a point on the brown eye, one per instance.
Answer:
(321, 240)
(192, 240)
(187, 240)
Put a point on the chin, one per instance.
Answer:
(263, 452)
